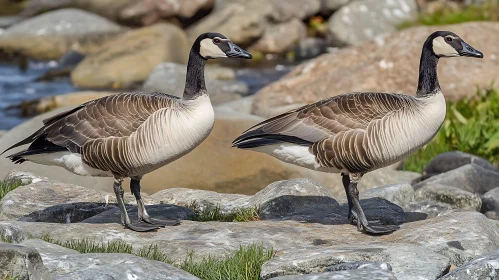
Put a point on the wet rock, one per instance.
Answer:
(65, 65)
(51, 35)
(384, 65)
(130, 58)
(360, 274)
(170, 78)
(21, 262)
(482, 267)
(490, 201)
(69, 264)
(243, 21)
(44, 200)
(295, 9)
(405, 260)
(451, 160)
(147, 12)
(280, 38)
(363, 20)
(379, 209)
(471, 177)
(162, 211)
(456, 197)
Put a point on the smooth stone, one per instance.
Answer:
(333, 5)
(241, 105)
(405, 259)
(360, 274)
(451, 160)
(490, 201)
(53, 34)
(21, 262)
(363, 20)
(400, 194)
(129, 58)
(482, 267)
(280, 38)
(162, 212)
(471, 177)
(287, 10)
(453, 196)
(380, 209)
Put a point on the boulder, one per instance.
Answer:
(379, 209)
(295, 9)
(363, 20)
(333, 5)
(405, 259)
(453, 196)
(360, 274)
(423, 209)
(243, 21)
(21, 262)
(490, 201)
(147, 12)
(482, 267)
(451, 160)
(281, 37)
(130, 58)
(471, 178)
(51, 35)
(107, 8)
(162, 211)
(170, 78)
(69, 264)
(241, 105)
(384, 65)
(400, 194)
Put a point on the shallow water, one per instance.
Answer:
(17, 85)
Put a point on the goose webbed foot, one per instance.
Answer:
(143, 215)
(141, 227)
(378, 228)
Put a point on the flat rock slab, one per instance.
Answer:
(70, 265)
(359, 274)
(405, 259)
(460, 236)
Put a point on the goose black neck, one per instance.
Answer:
(194, 81)
(428, 79)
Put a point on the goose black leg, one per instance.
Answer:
(125, 220)
(360, 217)
(143, 215)
(352, 216)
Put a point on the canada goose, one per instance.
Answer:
(355, 133)
(132, 134)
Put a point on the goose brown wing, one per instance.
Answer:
(116, 115)
(315, 122)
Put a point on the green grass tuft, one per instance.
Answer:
(9, 185)
(6, 238)
(448, 15)
(471, 125)
(216, 214)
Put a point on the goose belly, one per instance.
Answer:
(296, 155)
(172, 134)
(69, 161)
(406, 131)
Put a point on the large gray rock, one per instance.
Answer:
(170, 78)
(406, 260)
(242, 105)
(295, 9)
(460, 236)
(490, 200)
(453, 196)
(451, 160)
(333, 5)
(400, 194)
(483, 267)
(471, 177)
(243, 21)
(379, 209)
(69, 264)
(280, 38)
(21, 262)
(162, 211)
(363, 20)
(51, 35)
(360, 274)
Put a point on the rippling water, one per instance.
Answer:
(17, 85)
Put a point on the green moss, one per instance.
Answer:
(216, 214)
(471, 125)
(447, 15)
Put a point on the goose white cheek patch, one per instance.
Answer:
(210, 50)
(442, 48)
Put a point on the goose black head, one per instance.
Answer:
(216, 45)
(448, 44)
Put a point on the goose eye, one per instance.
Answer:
(448, 39)
(216, 41)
